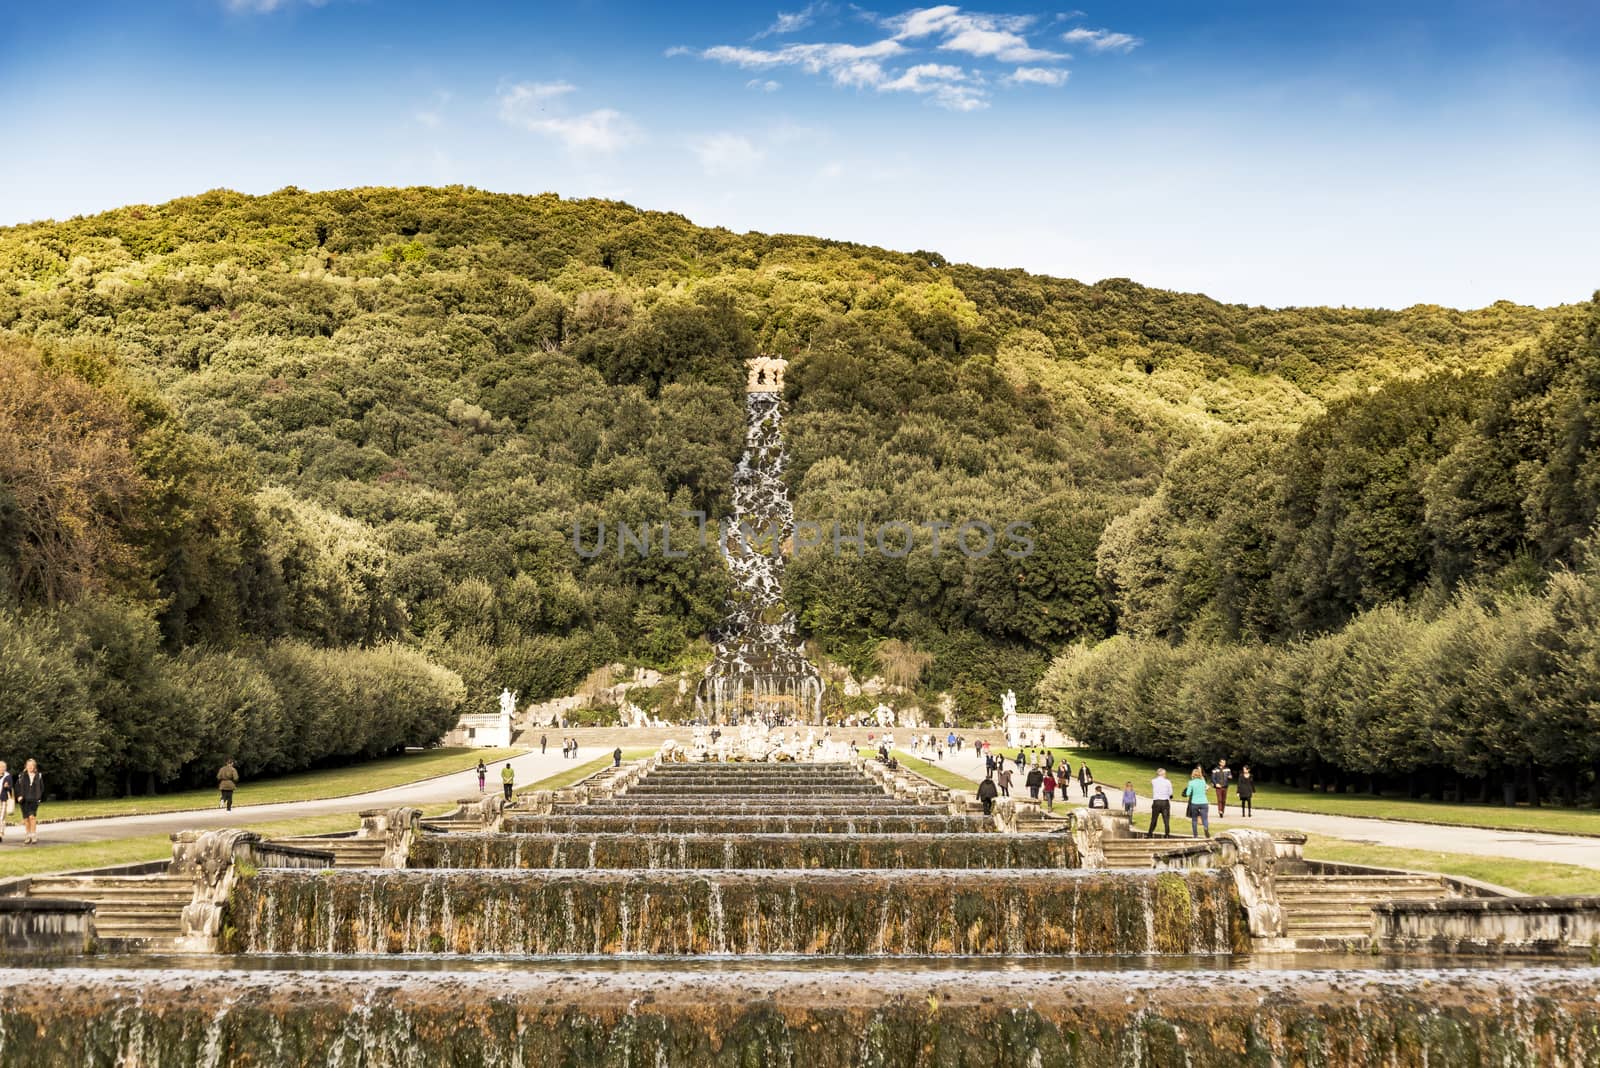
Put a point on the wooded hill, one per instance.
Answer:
(254, 450)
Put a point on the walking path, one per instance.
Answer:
(1438, 838)
(534, 766)
(529, 768)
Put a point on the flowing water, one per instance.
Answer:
(635, 934)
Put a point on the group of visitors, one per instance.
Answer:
(1045, 780)
(569, 745)
(24, 790)
(930, 746)
(1197, 797)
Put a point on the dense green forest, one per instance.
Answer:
(295, 477)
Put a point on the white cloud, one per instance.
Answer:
(1001, 44)
(763, 85)
(950, 87)
(265, 7)
(432, 116)
(789, 22)
(728, 154)
(846, 64)
(1036, 76)
(890, 64)
(1102, 40)
(603, 130)
(923, 78)
(523, 94)
(982, 35)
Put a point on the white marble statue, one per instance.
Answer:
(508, 703)
(884, 715)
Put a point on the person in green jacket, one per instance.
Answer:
(1199, 803)
(507, 777)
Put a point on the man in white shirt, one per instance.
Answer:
(1160, 803)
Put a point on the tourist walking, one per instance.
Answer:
(544, 740)
(1034, 780)
(483, 776)
(1130, 800)
(1100, 800)
(1160, 803)
(30, 791)
(507, 778)
(1247, 790)
(1005, 780)
(1049, 760)
(987, 792)
(574, 748)
(1220, 778)
(1085, 777)
(227, 779)
(1199, 803)
(7, 797)
(616, 757)
(1048, 787)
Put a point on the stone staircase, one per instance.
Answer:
(1140, 852)
(347, 852)
(131, 911)
(1335, 909)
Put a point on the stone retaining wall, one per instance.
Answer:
(1537, 926)
(44, 927)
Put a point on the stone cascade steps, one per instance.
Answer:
(1338, 908)
(1140, 852)
(852, 788)
(131, 911)
(454, 825)
(795, 807)
(709, 823)
(954, 852)
(347, 852)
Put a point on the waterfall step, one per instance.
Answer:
(753, 808)
(813, 913)
(961, 851)
(714, 823)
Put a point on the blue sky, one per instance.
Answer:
(1266, 153)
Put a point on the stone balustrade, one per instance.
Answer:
(397, 827)
(1503, 926)
(212, 860)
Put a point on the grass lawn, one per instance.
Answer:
(1114, 769)
(303, 786)
(582, 771)
(1531, 877)
(929, 771)
(47, 858)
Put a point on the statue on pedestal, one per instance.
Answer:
(508, 703)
